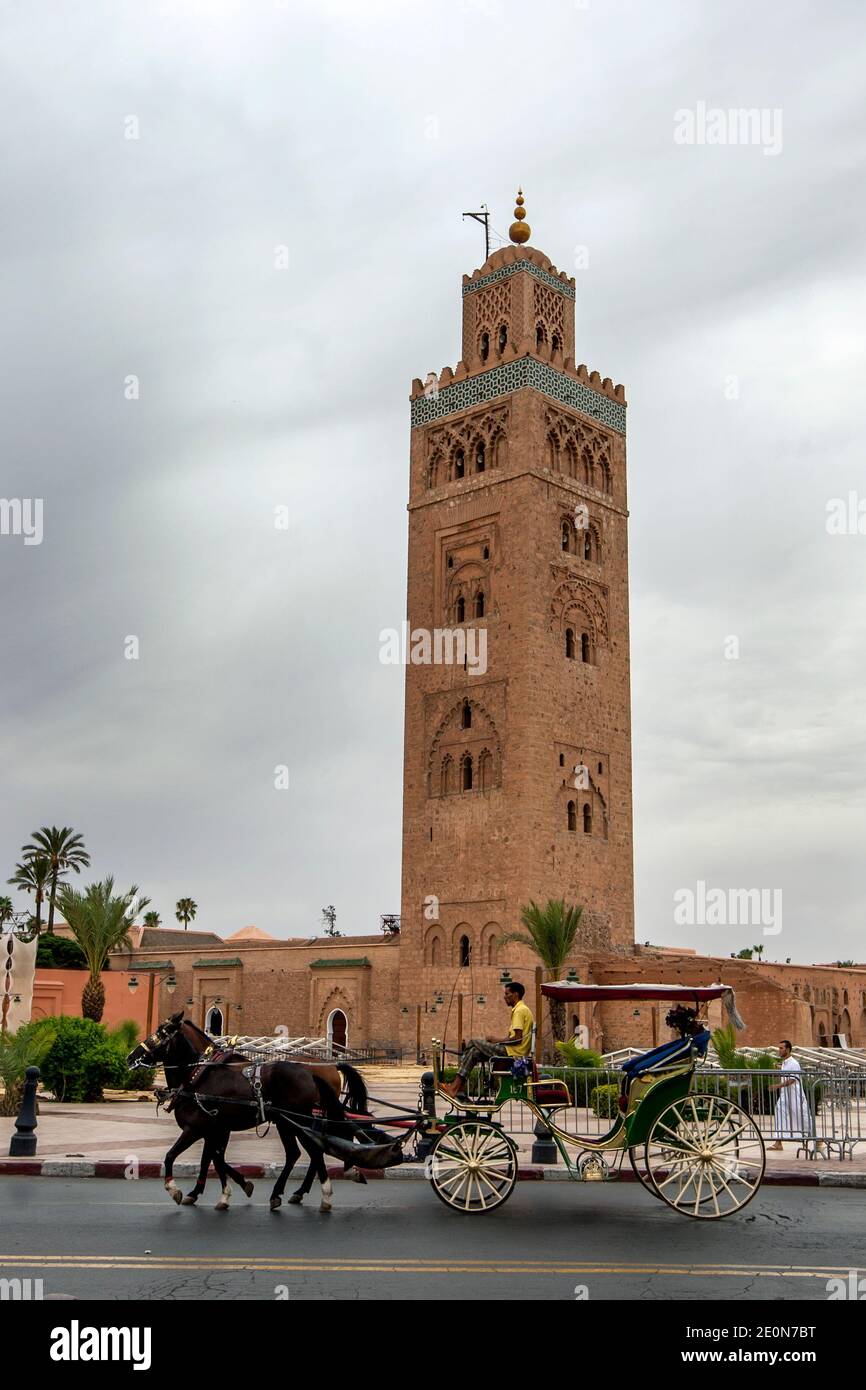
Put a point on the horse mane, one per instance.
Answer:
(200, 1035)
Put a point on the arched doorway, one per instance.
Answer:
(338, 1029)
(213, 1023)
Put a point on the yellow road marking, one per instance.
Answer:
(229, 1264)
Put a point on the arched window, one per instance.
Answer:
(459, 464)
(461, 609)
(491, 950)
(485, 769)
(569, 643)
(586, 462)
(555, 343)
(485, 346)
(503, 337)
(480, 462)
(465, 951)
(436, 951)
(466, 715)
(587, 818)
(566, 536)
(479, 604)
(570, 460)
(540, 335)
(445, 776)
(553, 453)
(466, 772)
(587, 545)
(572, 816)
(584, 646)
(486, 552)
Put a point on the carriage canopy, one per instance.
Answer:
(574, 993)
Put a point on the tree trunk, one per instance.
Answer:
(93, 1000)
(51, 901)
(10, 1101)
(557, 1021)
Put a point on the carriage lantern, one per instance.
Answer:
(572, 977)
(481, 1000)
(132, 984)
(505, 977)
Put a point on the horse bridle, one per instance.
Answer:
(161, 1035)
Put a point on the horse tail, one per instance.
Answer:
(356, 1089)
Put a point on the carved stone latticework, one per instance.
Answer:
(579, 603)
(466, 738)
(468, 445)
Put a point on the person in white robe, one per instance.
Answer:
(793, 1117)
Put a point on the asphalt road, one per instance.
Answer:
(104, 1239)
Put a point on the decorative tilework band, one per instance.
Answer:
(506, 271)
(513, 376)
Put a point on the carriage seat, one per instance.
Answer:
(501, 1066)
(667, 1054)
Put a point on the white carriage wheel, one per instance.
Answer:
(473, 1167)
(705, 1156)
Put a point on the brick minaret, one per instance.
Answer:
(517, 777)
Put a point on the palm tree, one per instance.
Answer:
(152, 919)
(64, 850)
(33, 876)
(6, 910)
(185, 911)
(100, 924)
(551, 932)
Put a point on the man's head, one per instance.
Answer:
(514, 992)
(785, 1048)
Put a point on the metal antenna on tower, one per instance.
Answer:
(484, 217)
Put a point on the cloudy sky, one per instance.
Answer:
(724, 287)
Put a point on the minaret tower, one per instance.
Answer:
(517, 762)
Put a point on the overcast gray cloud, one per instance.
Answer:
(355, 136)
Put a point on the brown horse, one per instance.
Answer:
(213, 1100)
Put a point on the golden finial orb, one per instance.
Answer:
(520, 230)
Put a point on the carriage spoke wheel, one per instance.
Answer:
(473, 1167)
(705, 1157)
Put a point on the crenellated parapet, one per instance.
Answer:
(518, 331)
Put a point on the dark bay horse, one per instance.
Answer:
(214, 1100)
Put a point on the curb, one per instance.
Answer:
(410, 1172)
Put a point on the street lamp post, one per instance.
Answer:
(168, 977)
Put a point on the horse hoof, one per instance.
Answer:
(296, 1199)
(249, 1188)
(277, 1202)
(190, 1200)
(222, 1205)
(326, 1206)
(175, 1194)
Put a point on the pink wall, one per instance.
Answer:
(59, 992)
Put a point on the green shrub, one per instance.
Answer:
(603, 1101)
(581, 1059)
(82, 1059)
(59, 953)
(124, 1037)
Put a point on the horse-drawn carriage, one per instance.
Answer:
(698, 1151)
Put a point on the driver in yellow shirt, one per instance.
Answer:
(517, 1044)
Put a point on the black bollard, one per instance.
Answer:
(544, 1150)
(23, 1143)
(428, 1106)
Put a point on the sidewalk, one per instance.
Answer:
(128, 1138)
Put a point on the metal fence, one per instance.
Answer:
(826, 1120)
